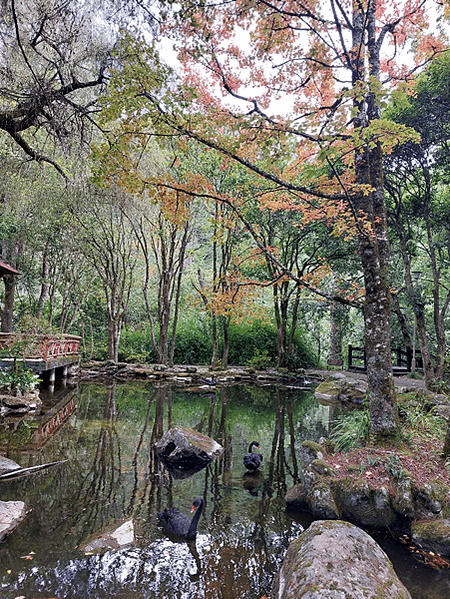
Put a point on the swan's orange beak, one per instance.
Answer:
(193, 509)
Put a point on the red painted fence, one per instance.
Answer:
(43, 347)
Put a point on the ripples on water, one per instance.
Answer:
(112, 476)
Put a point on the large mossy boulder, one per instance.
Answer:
(325, 494)
(184, 451)
(343, 390)
(364, 505)
(333, 560)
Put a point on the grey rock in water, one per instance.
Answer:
(120, 537)
(184, 451)
(341, 390)
(333, 560)
(7, 465)
(11, 515)
(432, 535)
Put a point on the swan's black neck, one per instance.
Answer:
(252, 444)
(194, 522)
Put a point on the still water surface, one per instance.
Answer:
(107, 432)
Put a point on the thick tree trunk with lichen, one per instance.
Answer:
(369, 206)
(374, 254)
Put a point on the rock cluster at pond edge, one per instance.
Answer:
(401, 504)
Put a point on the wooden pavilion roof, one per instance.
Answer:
(5, 269)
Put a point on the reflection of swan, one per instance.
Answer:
(252, 461)
(251, 481)
(179, 524)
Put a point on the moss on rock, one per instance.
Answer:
(337, 556)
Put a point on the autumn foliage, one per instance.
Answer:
(293, 93)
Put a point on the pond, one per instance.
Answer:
(106, 433)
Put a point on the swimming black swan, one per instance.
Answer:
(252, 461)
(179, 524)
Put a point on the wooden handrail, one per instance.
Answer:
(403, 358)
(39, 346)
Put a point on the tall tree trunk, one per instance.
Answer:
(44, 282)
(226, 341)
(335, 349)
(113, 339)
(291, 342)
(280, 305)
(370, 208)
(8, 307)
(438, 312)
(180, 271)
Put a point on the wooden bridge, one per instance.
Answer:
(40, 353)
(401, 359)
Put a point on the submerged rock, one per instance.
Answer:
(184, 451)
(120, 537)
(334, 559)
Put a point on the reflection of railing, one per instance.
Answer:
(50, 423)
(28, 435)
(44, 347)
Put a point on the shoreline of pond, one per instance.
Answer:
(182, 374)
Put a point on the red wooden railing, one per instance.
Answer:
(44, 347)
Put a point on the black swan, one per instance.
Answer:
(179, 524)
(252, 461)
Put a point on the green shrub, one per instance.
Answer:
(261, 359)
(255, 344)
(193, 345)
(136, 345)
(351, 429)
(20, 380)
(250, 341)
(303, 356)
(252, 344)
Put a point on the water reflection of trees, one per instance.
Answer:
(103, 490)
(239, 538)
(99, 488)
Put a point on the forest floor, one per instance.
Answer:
(418, 452)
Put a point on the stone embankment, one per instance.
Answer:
(397, 504)
(420, 508)
(188, 375)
